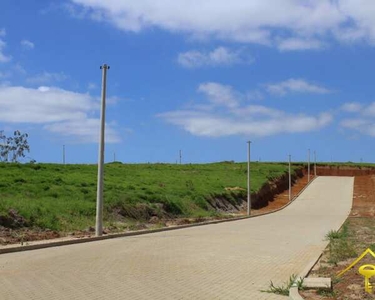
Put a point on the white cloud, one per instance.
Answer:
(219, 94)
(369, 111)
(363, 120)
(292, 25)
(352, 107)
(17, 68)
(46, 77)
(364, 126)
(220, 56)
(254, 95)
(295, 85)
(229, 117)
(27, 44)
(3, 57)
(84, 130)
(291, 44)
(211, 125)
(59, 111)
(356, 107)
(11, 73)
(257, 110)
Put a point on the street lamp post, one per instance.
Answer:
(290, 178)
(314, 163)
(308, 166)
(248, 180)
(99, 197)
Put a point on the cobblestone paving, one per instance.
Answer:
(232, 260)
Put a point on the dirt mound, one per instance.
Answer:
(12, 220)
(236, 200)
(270, 189)
(364, 197)
(23, 235)
(229, 203)
(344, 171)
(141, 211)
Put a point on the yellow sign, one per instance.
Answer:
(367, 271)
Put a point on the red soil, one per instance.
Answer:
(282, 199)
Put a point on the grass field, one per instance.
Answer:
(63, 197)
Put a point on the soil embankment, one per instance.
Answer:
(344, 171)
(236, 200)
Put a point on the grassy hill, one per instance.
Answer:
(63, 197)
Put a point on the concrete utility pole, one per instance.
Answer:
(314, 163)
(308, 166)
(180, 157)
(99, 197)
(114, 156)
(248, 180)
(64, 154)
(290, 178)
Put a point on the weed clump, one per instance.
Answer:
(340, 245)
(285, 287)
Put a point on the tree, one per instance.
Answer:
(14, 147)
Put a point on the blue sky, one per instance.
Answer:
(203, 77)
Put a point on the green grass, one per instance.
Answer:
(347, 164)
(63, 197)
(284, 288)
(340, 245)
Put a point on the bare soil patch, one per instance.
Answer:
(281, 199)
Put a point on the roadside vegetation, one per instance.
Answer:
(285, 287)
(341, 245)
(344, 247)
(63, 197)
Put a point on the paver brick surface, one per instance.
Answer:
(232, 260)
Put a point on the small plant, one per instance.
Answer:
(189, 185)
(333, 234)
(326, 293)
(338, 234)
(336, 280)
(284, 288)
(340, 247)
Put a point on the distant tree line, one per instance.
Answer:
(14, 147)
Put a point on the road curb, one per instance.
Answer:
(46, 244)
(293, 291)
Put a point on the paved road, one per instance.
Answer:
(231, 260)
